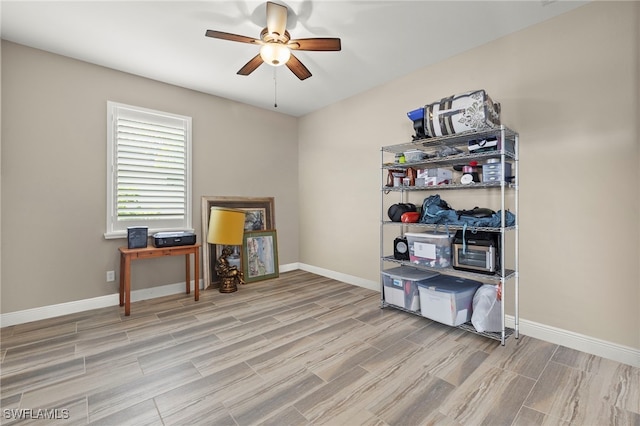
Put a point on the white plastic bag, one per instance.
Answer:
(486, 309)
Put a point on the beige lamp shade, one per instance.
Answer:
(226, 226)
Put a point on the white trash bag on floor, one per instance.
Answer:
(486, 309)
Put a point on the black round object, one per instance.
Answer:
(396, 211)
(401, 248)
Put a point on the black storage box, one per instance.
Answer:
(137, 237)
(172, 239)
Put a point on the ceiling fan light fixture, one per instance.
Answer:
(276, 44)
(275, 54)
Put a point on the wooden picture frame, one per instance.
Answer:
(261, 206)
(260, 255)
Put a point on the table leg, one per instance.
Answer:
(187, 262)
(122, 279)
(127, 285)
(196, 271)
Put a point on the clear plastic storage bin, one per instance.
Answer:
(401, 286)
(448, 299)
(430, 248)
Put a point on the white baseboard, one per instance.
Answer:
(577, 341)
(51, 311)
(288, 268)
(590, 345)
(338, 276)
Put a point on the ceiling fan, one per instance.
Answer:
(276, 44)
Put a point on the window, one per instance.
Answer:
(148, 170)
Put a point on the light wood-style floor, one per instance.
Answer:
(298, 350)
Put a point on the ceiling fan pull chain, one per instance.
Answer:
(275, 88)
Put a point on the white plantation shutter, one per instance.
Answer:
(151, 169)
(148, 171)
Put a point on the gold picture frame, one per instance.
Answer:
(262, 210)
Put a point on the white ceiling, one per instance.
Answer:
(165, 41)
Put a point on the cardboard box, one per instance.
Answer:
(435, 176)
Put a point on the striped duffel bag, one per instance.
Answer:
(471, 111)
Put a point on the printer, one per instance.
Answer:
(172, 239)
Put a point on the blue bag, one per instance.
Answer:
(437, 211)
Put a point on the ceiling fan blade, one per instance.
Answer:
(276, 18)
(317, 44)
(298, 68)
(251, 66)
(232, 37)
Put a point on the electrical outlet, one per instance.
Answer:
(111, 276)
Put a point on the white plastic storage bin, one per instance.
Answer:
(431, 249)
(401, 286)
(447, 299)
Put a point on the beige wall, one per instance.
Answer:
(54, 173)
(569, 86)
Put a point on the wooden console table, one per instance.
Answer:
(127, 255)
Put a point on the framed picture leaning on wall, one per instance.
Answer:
(259, 217)
(260, 255)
